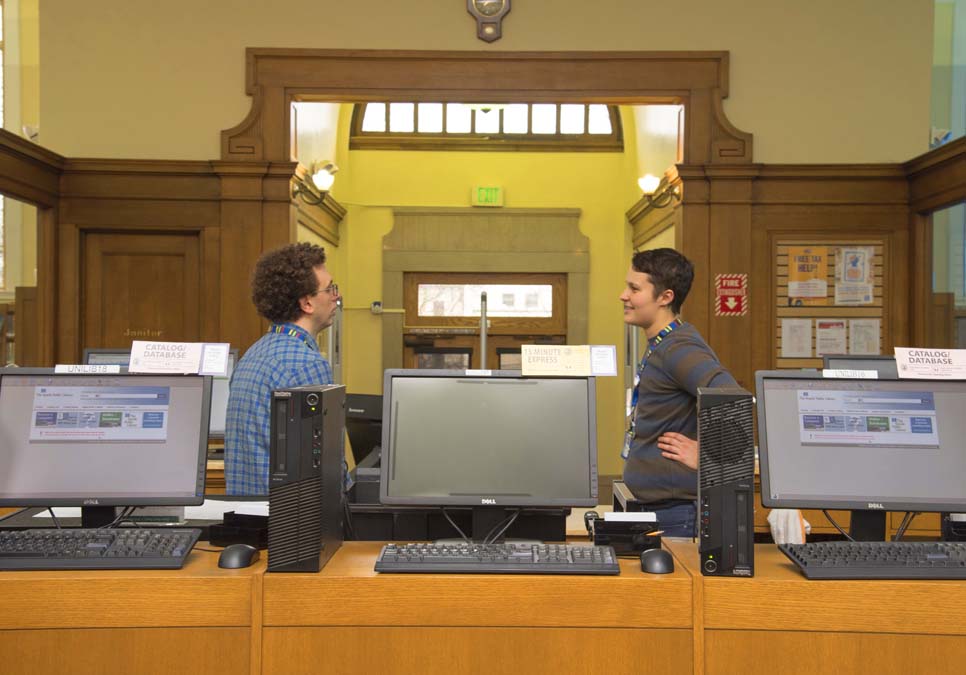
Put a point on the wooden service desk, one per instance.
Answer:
(350, 619)
(196, 619)
(780, 622)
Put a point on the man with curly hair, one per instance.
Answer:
(293, 290)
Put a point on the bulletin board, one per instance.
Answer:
(850, 322)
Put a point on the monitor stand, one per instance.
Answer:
(867, 525)
(97, 516)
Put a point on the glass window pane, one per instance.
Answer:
(443, 360)
(515, 119)
(598, 120)
(402, 117)
(488, 121)
(511, 360)
(503, 300)
(457, 118)
(430, 118)
(544, 118)
(374, 118)
(572, 118)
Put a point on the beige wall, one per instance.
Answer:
(820, 81)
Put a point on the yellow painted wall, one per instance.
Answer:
(818, 81)
(372, 182)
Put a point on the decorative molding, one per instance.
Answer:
(276, 77)
(728, 143)
(937, 179)
(29, 172)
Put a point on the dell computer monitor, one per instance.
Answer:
(454, 438)
(866, 445)
(102, 440)
(219, 385)
(882, 364)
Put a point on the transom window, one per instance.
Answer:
(486, 126)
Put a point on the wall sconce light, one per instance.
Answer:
(656, 196)
(322, 176)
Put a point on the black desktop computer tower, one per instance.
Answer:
(726, 482)
(305, 481)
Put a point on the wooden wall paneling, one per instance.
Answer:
(693, 239)
(920, 262)
(730, 241)
(139, 285)
(68, 299)
(29, 172)
(27, 346)
(240, 245)
(937, 179)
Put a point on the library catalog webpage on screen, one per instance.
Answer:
(128, 436)
(887, 418)
(93, 413)
(869, 441)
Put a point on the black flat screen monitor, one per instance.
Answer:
(219, 385)
(874, 445)
(363, 423)
(453, 438)
(882, 364)
(102, 440)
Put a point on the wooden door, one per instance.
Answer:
(143, 286)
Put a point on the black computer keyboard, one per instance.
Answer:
(879, 560)
(89, 549)
(507, 558)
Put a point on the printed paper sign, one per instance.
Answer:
(931, 364)
(853, 276)
(730, 294)
(205, 358)
(572, 360)
(864, 336)
(796, 338)
(807, 275)
(93, 369)
(829, 336)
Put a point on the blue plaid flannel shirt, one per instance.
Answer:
(276, 361)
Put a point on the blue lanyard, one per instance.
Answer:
(651, 344)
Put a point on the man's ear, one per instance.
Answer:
(305, 304)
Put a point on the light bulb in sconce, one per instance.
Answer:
(323, 175)
(648, 183)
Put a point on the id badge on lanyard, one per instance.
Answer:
(632, 414)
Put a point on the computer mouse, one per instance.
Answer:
(238, 555)
(656, 561)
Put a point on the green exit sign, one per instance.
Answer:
(487, 196)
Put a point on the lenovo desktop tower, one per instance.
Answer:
(305, 481)
(726, 482)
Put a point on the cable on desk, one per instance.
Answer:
(54, 517)
(509, 521)
(906, 522)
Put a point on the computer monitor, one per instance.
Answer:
(100, 441)
(883, 364)
(363, 423)
(454, 438)
(219, 386)
(867, 445)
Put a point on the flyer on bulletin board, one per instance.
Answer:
(853, 276)
(807, 275)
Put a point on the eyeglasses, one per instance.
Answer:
(332, 289)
